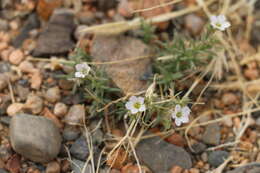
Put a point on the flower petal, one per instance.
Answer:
(142, 108)
(177, 122)
(222, 18)
(185, 111)
(177, 108)
(79, 67)
(140, 100)
(79, 75)
(133, 99)
(134, 111)
(185, 119)
(129, 105)
(213, 19)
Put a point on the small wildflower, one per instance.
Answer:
(219, 22)
(82, 70)
(181, 114)
(135, 104)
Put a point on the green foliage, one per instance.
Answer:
(147, 32)
(182, 54)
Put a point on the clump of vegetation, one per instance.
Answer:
(161, 104)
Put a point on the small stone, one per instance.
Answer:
(5, 153)
(176, 169)
(14, 109)
(60, 109)
(163, 156)
(53, 94)
(194, 170)
(78, 32)
(3, 25)
(3, 81)
(229, 99)
(204, 157)
(34, 103)
(3, 46)
(55, 39)
(16, 57)
(70, 133)
(78, 166)
(211, 135)
(194, 24)
(79, 149)
(53, 167)
(198, 147)
(26, 67)
(105, 5)
(4, 67)
(216, 158)
(66, 84)
(258, 121)
(3, 170)
(75, 115)
(251, 73)
(36, 138)
(22, 92)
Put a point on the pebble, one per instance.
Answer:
(26, 67)
(53, 167)
(22, 92)
(5, 153)
(78, 34)
(4, 67)
(16, 57)
(3, 45)
(55, 38)
(60, 109)
(229, 99)
(3, 81)
(176, 169)
(53, 94)
(204, 157)
(66, 84)
(251, 73)
(194, 170)
(14, 109)
(163, 156)
(75, 115)
(3, 170)
(70, 133)
(198, 147)
(78, 166)
(194, 24)
(34, 103)
(79, 149)
(211, 135)
(3, 25)
(216, 158)
(36, 138)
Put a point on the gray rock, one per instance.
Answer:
(3, 25)
(3, 170)
(55, 38)
(4, 67)
(253, 167)
(211, 135)
(105, 5)
(5, 120)
(79, 149)
(34, 137)
(75, 115)
(70, 133)
(160, 156)
(78, 166)
(198, 147)
(5, 153)
(257, 121)
(31, 23)
(216, 158)
(97, 137)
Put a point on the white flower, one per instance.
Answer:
(135, 104)
(82, 70)
(219, 22)
(181, 114)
